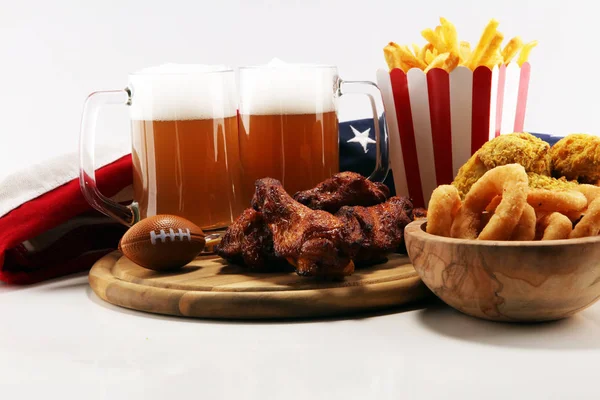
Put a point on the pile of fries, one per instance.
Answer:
(445, 51)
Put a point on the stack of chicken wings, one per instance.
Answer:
(324, 231)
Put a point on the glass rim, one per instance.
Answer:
(288, 66)
(217, 70)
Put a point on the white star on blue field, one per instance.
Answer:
(361, 137)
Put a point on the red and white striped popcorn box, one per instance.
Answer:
(438, 120)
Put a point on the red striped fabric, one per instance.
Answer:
(407, 136)
(438, 87)
(50, 210)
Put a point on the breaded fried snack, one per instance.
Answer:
(515, 148)
(537, 181)
(577, 156)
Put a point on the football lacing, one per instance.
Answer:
(162, 236)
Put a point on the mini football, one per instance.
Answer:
(162, 242)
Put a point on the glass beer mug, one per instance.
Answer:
(184, 145)
(289, 127)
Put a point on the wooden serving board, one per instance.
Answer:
(209, 287)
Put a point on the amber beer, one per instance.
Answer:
(288, 125)
(188, 168)
(188, 159)
(298, 149)
(185, 145)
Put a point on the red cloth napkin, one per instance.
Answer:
(58, 233)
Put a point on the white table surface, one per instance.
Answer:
(59, 339)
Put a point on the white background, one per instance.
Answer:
(58, 338)
(59, 341)
(54, 53)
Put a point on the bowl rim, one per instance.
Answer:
(417, 229)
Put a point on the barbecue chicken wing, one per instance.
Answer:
(343, 189)
(374, 231)
(419, 213)
(311, 240)
(249, 241)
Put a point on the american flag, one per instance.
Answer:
(57, 232)
(357, 148)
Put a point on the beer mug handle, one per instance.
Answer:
(371, 90)
(127, 215)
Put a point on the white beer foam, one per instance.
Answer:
(281, 88)
(173, 92)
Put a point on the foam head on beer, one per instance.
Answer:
(172, 92)
(185, 143)
(282, 88)
(288, 125)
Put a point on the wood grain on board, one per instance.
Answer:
(209, 287)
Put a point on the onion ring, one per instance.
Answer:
(552, 200)
(590, 192)
(525, 229)
(511, 182)
(491, 208)
(554, 226)
(574, 216)
(443, 206)
(590, 223)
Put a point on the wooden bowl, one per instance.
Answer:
(508, 281)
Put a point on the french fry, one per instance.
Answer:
(486, 38)
(434, 39)
(423, 52)
(452, 62)
(416, 49)
(444, 50)
(511, 49)
(499, 59)
(496, 59)
(437, 62)
(490, 55)
(525, 50)
(429, 56)
(408, 58)
(446, 61)
(450, 36)
(465, 51)
(392, 56)
(438, 31)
